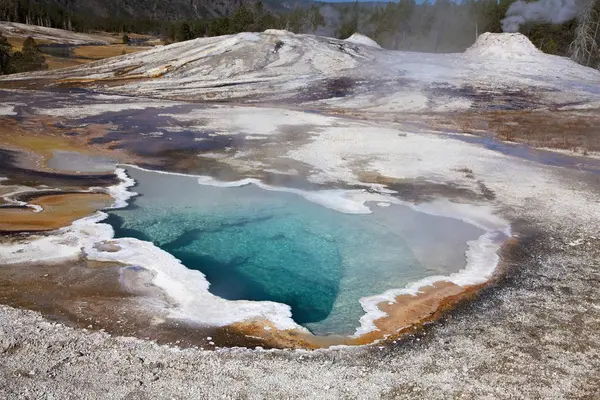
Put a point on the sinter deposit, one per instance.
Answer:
(325, 73)
(503, 45)
(362, 39)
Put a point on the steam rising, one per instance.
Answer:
(553, 11)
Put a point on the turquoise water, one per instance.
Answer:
(255, 244)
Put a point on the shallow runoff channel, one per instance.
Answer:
(321, 255)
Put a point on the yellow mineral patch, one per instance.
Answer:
(100, 52)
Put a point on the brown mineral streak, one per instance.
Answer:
(38, 137)
(59, 210)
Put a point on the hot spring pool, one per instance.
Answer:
(257, 244)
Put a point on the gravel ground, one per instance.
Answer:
(536, 334)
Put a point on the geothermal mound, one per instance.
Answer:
(278, 32)
(362, 39)
(503, 45)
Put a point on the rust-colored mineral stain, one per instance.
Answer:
(408, 309)
(407, 312)
(59, 210)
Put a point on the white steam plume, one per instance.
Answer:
(552, 11)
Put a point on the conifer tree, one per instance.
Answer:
(30, 58)
(5, 50)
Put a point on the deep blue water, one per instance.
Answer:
(255, 244)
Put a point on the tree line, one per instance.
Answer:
(63, 15)
(255, 18)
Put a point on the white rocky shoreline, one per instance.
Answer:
(191, 300)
